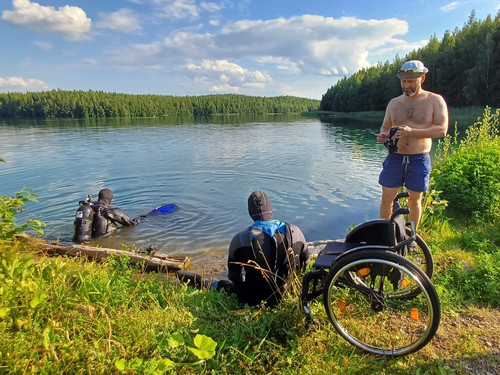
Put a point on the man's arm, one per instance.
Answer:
(117, 216)
(299, 246)
(234, 260)
(441, 121)
(386, 126)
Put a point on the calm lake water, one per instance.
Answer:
(320, 174)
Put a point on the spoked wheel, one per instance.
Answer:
(358, 301)
(421, 255)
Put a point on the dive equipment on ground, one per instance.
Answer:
(83, 221)
(392, 144)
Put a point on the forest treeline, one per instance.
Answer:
(463, 68)
(98, 104)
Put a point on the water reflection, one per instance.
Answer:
(319, 175)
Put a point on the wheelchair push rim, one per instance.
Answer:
(359, 301)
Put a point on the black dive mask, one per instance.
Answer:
(392, 144)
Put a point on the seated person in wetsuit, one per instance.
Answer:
(106, 217)
(261, 258)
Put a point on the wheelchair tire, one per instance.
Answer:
(422, 256)
(359, 303)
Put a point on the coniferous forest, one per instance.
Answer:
(98, 104)
(463, 68)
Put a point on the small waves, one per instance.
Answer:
(321, 179)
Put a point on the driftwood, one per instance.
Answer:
(154, 262)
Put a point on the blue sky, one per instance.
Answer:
(193, 47)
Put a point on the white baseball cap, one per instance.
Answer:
(412, 69)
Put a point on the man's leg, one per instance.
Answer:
(415, 206)
(386, 204)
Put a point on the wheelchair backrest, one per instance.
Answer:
(379, 232)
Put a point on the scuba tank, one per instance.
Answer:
(83, 221)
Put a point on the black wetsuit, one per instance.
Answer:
(107, 218)
(259, 264)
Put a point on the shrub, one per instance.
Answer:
(9, 207)
(467, 173)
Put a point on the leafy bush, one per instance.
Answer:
(9, 207)
(467, 173)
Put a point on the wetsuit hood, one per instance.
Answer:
(105, 196)
(259, 206)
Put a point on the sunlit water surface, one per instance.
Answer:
(319, 174)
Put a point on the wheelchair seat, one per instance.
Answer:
(332, 250)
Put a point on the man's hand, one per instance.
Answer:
(382, 136)
(403, 130)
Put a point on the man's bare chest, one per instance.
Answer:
(418, 113)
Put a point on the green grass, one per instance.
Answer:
(62, 315)
(72, 316)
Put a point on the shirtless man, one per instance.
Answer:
(419, 116)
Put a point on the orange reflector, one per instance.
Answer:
(363, 272)
(414, 315)
(404, 283)
(341, 305)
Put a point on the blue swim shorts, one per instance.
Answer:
(411, 171)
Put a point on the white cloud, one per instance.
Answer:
(450, 6)
(184, 9)
(250, 54)
(178, 8)
(398, 47)
(222, 75)
(307, 44)
(44, 46)
(70, 21)
(17, 84)
(91, 62)
(210, 7)
(123, 20)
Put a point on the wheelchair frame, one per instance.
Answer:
(377, 299)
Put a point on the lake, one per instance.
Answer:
(320, 174)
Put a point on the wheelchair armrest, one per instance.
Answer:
(403, 194)
(399, 211)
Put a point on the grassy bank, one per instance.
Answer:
(72, 316)
(61, 315)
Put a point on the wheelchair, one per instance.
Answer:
(376, 286)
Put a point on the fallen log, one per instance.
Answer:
(150, 262)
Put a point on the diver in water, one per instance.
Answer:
(262, 258)
(106, 217)
(99, 218)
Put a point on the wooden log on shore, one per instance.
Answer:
(151, 262)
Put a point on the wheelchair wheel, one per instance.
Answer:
(357, 299)
(421, 256)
